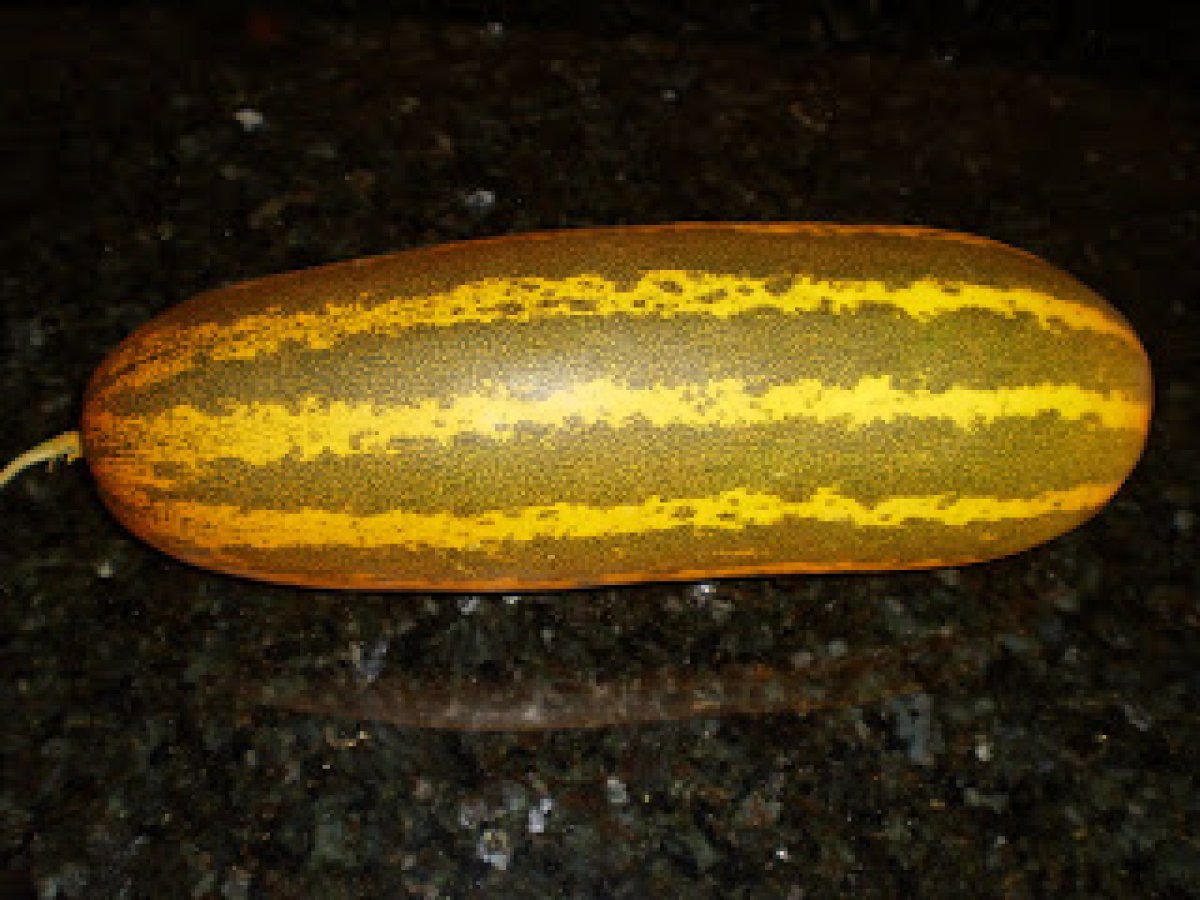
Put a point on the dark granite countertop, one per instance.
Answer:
(1021, 728)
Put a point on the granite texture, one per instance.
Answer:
(1021, 728)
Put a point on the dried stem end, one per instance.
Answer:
(65, 446)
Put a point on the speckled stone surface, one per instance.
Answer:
(1047, 749)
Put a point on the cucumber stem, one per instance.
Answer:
(65, 446)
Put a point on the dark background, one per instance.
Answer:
(1051, 751)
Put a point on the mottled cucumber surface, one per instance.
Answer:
(607, 406)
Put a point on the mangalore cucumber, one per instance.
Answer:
(619, 405)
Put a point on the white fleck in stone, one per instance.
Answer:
(976, 798)
(1136, 717)
(983, 749)
(34, 333)
(537, 821)
(422, 789)
(472, 813)
(948, 577)
(1066, 600)
(479, 200)
(250, 119)
(495, 848)
(618, 794)
(913, 723)
(516, 798)
(538, 814)
(802, 659)
(469, 603)
(368, 660)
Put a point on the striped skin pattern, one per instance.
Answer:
(620, 405)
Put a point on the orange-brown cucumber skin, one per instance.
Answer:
(608, 406)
